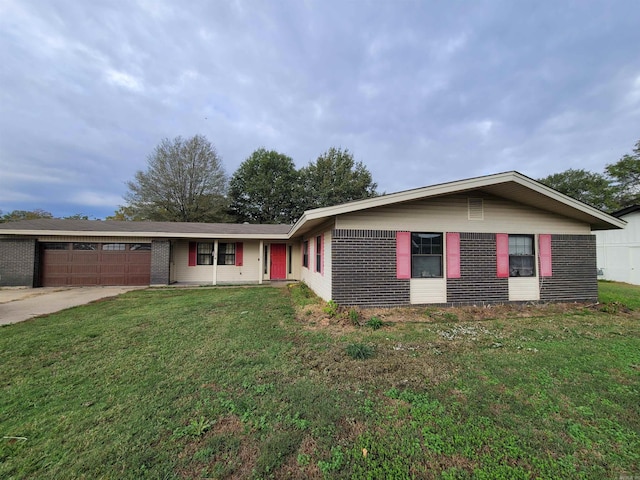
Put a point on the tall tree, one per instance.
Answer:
(336, 178)
(264, 189)
(588, 187)
(625, 174)
(17, 215)
(184, 182)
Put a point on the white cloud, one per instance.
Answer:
(96, 199)
(634, 92)
(124, 80)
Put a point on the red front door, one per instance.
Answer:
(278, 261)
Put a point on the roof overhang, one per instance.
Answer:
(510, 185)
(142, 234)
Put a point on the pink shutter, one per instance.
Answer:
(502, 255)
(193, 254)
(544, 245)
(453, 255)
(239, 254)
(403, 255)
(322, 255)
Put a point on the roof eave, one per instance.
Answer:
(598, 219)
(94, 233)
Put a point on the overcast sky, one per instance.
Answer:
(421, 92)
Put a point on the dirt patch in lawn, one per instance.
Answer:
(315, 316)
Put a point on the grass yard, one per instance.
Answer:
(272, 383)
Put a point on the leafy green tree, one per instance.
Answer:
(591, 188)
(17, 215)
(265, 189)
(625, 174)
(336, 178)
(125, 213)
(184, 182)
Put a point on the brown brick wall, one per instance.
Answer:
(574, 267)
(18, 263)
(364, 269)
(478, 283)
(160, 258)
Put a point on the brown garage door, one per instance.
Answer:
(82, 264)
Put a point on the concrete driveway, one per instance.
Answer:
(19, 304)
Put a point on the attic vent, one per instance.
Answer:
(475, 209)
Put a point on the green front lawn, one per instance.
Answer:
(252, 382)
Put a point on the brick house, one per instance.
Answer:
(492, 239)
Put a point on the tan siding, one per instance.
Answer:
(248, 273)
(184, 273)
(319, 283)
(524, 289)
(428, 290)
(450, 214)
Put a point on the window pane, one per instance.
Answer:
(113, 246)
(205, 248)
(85, 246)
(426, 244)
(520, 245)
(205, 251)
(521, 266)
(426, 266)
(140, 246)
(226, 254)
(56, 246)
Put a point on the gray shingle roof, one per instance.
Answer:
(111, 226)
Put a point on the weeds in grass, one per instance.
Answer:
(374, 323)
(359, 351)
(331, 308)
(354, 317)
(196, 428)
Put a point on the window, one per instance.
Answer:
(290, 257)
(305, 253)
(319, 253)
(114, 246)
(226, 254)
(205, 254)
(426, 255)
(56, 246)
(266, 259)
(140, 246)
(85, 246)
(521, 256)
